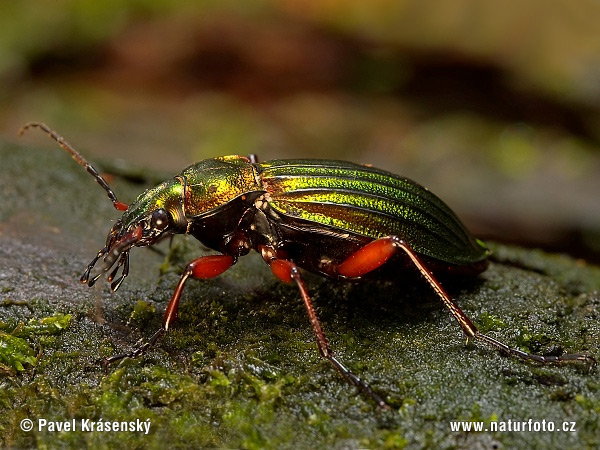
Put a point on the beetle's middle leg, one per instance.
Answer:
(204, 267)
(378, 252)
(288, 272)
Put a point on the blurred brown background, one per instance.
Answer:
(495, 106)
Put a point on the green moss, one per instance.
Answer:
(14, 353)
(14, 348)
(487, 322)
(143, 312)
(532, 342)
(45, 325)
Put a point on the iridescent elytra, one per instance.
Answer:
(338, 219)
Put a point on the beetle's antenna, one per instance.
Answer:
(78, 158)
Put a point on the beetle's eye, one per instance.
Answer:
(160, 219)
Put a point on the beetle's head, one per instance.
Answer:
(155, 214)
(198, 192)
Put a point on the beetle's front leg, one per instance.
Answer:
(288, 272)
(378, 252)
(201, 268)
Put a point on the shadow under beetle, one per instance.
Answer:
(334, 218)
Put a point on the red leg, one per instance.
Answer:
(378, 252)
(201, 268)
(287, 272)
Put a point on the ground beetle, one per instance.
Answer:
(338, 219)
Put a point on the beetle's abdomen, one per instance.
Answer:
(369, 202)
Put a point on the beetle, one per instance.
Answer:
(338, 219)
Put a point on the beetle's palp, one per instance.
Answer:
(85, 277)
(123, 262)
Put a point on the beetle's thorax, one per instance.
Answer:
(212, 183)
(218, 197)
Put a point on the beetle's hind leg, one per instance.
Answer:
(378, 252)
(287, 272)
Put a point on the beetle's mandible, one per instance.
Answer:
(334, 218)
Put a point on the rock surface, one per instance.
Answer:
(240, 369)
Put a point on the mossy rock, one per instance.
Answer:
(240, 368)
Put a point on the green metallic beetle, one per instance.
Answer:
(334, 218)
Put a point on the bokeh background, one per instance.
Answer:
(494, 106)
